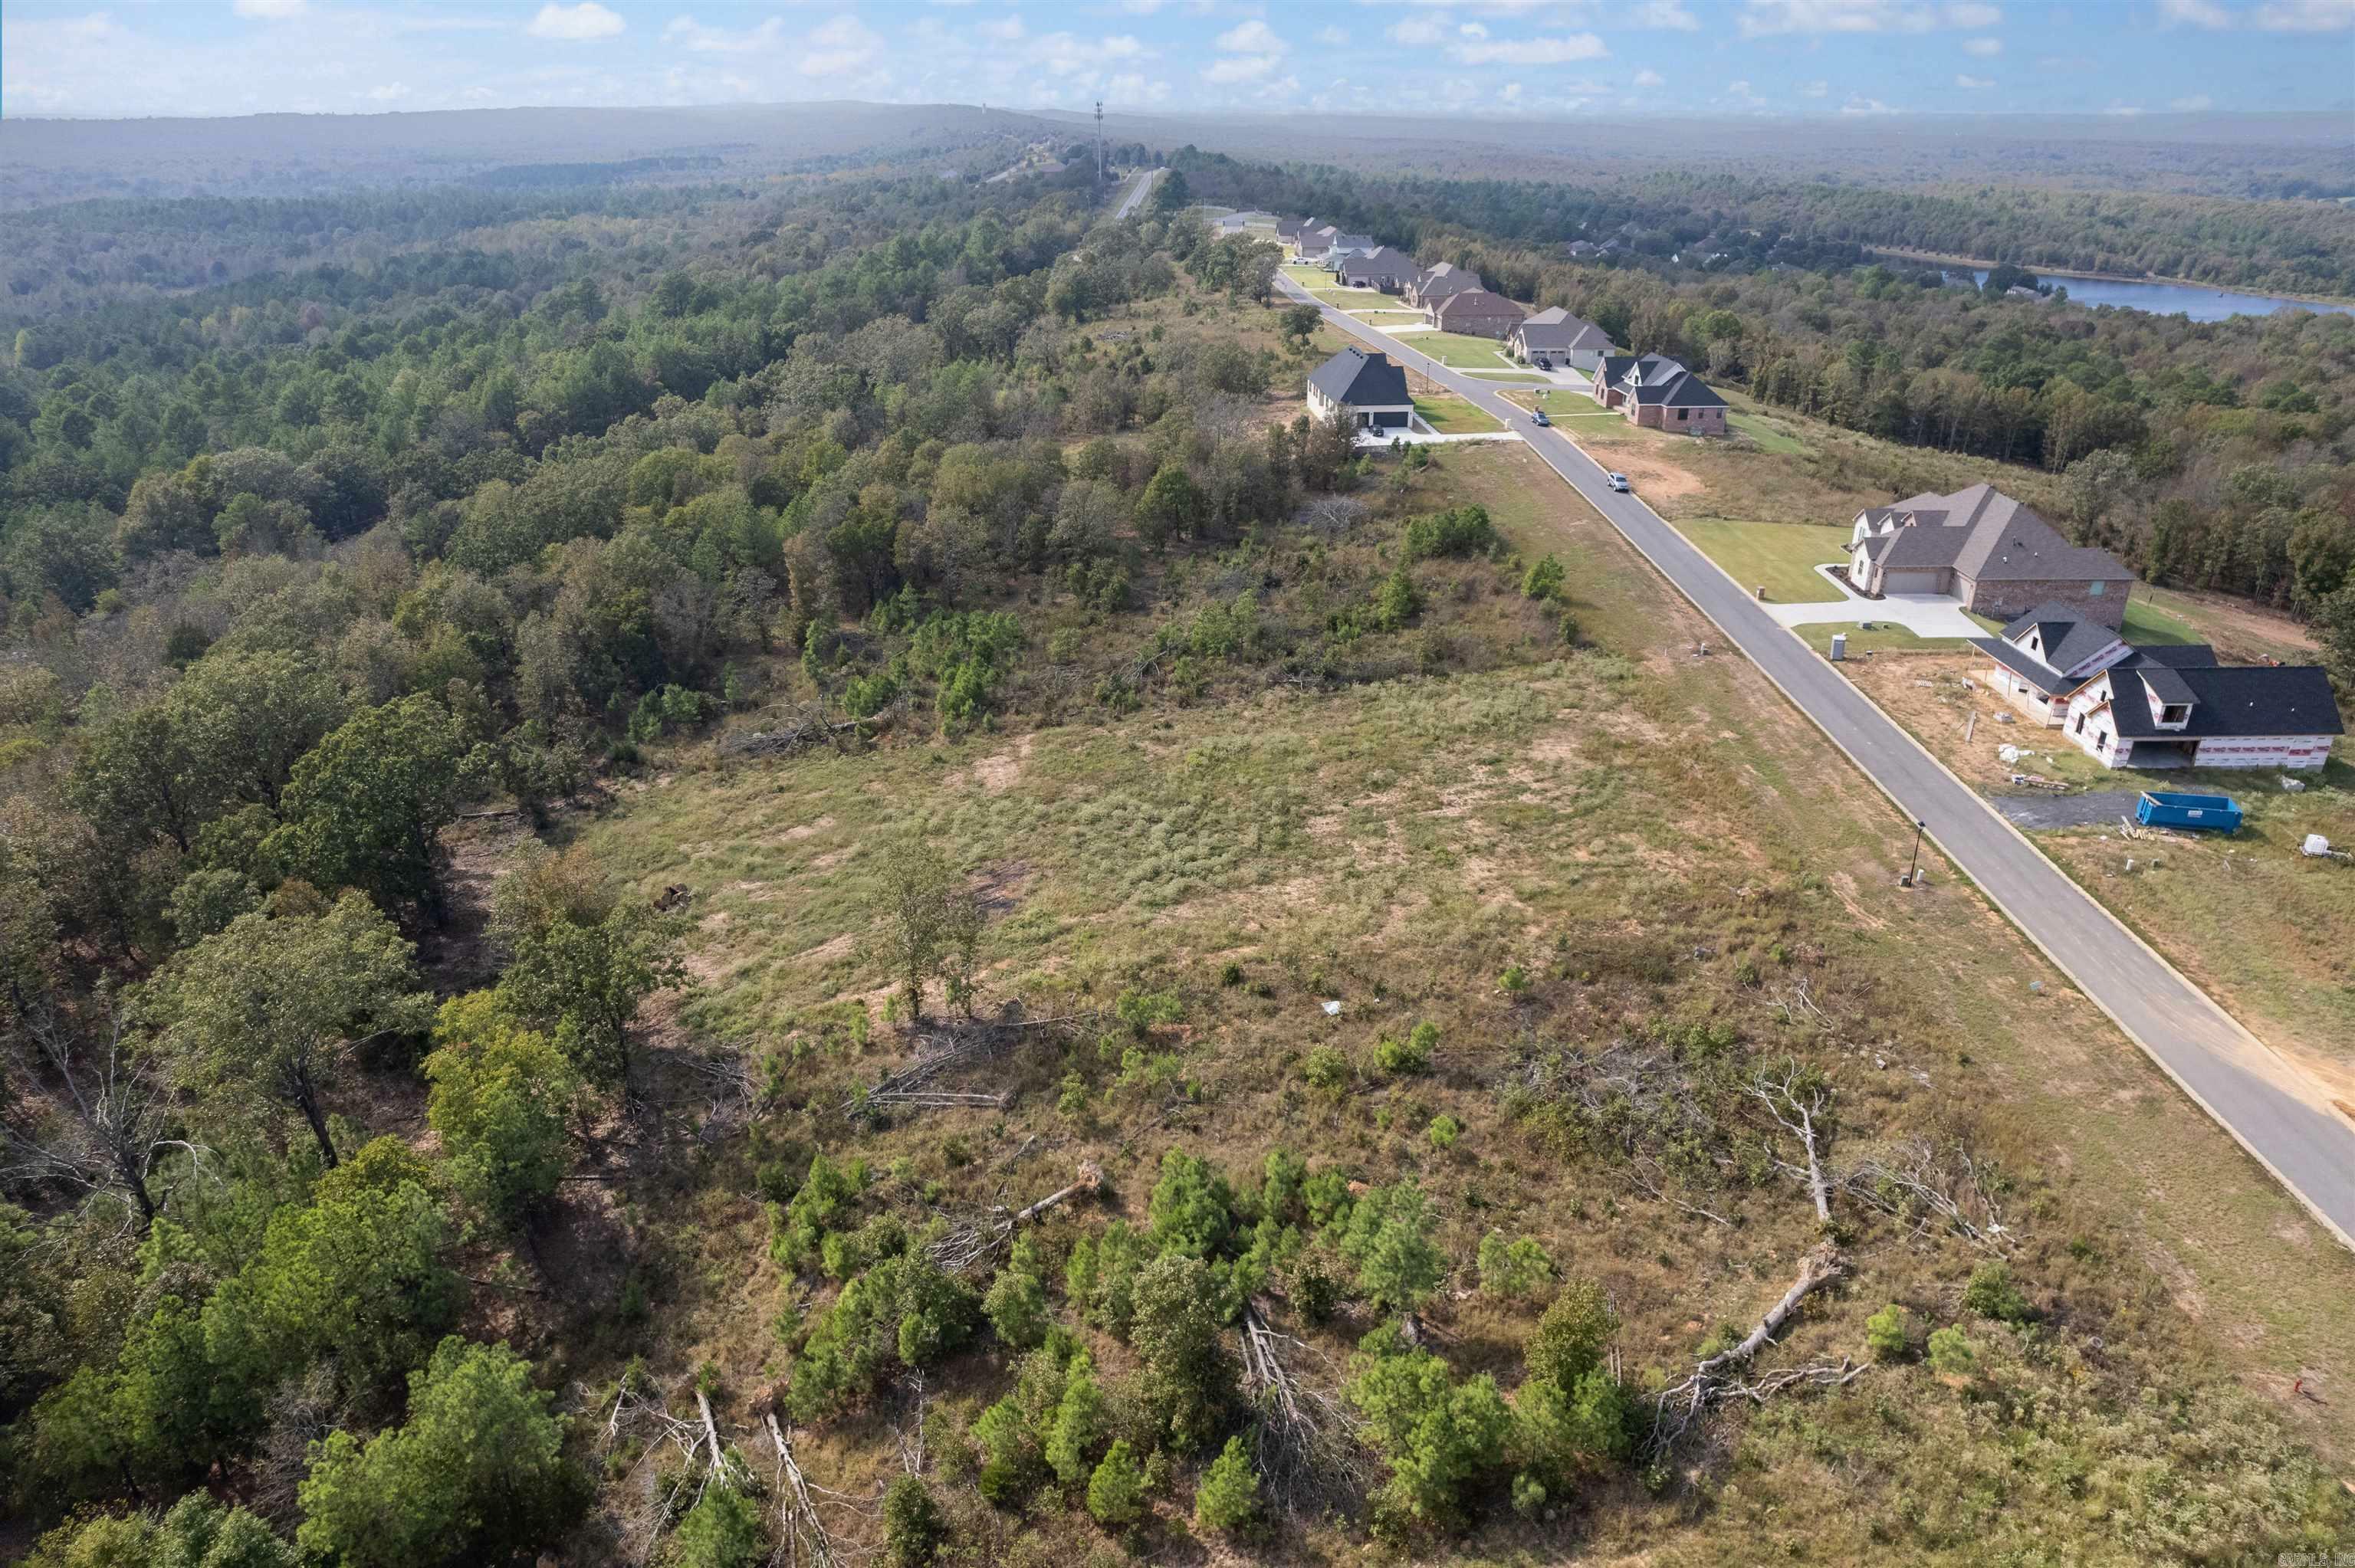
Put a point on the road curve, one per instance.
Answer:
(2276, 1114)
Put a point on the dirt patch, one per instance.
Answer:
(806, 830)
(996, 774)
(825, 952)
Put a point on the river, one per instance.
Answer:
(2197, 300)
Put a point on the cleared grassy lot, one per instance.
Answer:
(1460, 351)
(1452, 416)
(1387, 318)
(1769, 433)
(1882, 639)
(1780, 557)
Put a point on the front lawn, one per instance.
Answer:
(1781, 556)
(1358, 299)
(1452, 416)
(1508, 377)
(1882, 639)
(2147, 623)
(1387, 318)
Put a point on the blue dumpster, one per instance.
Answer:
(2168, 808)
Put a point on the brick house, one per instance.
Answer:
(1659, 393)
(1982, 547)
(1435, 283)
(1382, 268)
(2171, 706)
(1475, 313)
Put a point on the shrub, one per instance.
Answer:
(1459, 531)
(1888, 1333)
(1951, 1353)
(1412, 1056)
(913, 1526)
(1397, 603)
(1444, 1132)
(1116, 1490)
(1512, 1269)
(1572, 1337)
(1544, 579)
(1326, 1069)
(1017, 1306)
(1387, 1236)
(1228, 1498)
(1188, 1382)
(1079, 1424)
(1440, 1437)
(723, 1530)
(1514, 982)
(1991, 1293)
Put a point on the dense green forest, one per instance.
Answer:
(305, 570)
(2301, 246)
(2215, 455)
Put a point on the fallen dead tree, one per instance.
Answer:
(1922, 1183)
(803, 727)
(1306, 1440)
(943, 1051)
(1802, 1106)
(807, 1539)
(1713, 1381)
(968, 1244)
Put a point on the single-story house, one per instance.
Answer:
(1288, 229)
(1658, 393)
(1435, 283)
(1474, 312)
(1562, 340)
(2168, 707)
(1364, 388)
(1988, 550)
(1382, 268)
(1313, 239)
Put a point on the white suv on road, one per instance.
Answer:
(1615, 480)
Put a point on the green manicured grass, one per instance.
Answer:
(1355, 299)
(1387, 318)
(1882, 639)
(2147, 623)
(1781, 556)
(1459, 350)
(1451, 415)
(1769, 435)
(1508, 377)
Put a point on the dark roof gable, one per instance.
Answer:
(1362, 380)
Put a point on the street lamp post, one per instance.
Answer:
(1913, 871)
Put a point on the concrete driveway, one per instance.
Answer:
(1923, 615)
(2280, 1117)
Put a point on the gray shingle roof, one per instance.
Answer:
(2229, 701)
(1987, 536)
(1381, 265)
(2065, 638)
(1556, 331)
(1473, 304)
(1362, 380)
(1445, 279)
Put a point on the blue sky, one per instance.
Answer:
(1488, 56)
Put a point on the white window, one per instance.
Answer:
(2095, 590)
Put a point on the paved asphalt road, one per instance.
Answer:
(1144, 186)
(2278, 1116)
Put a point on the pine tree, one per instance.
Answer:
(1228, 1498)
(1116, 1490)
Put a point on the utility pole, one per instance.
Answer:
(1099, 141)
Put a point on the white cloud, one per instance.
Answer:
(2193, 13)
(1066, 54)
(2193, 104)
(1131, 86)
(1985, 49)
(1251, 37)
(1512, 93)
(1251, 52)
(1473, 30)
(1972, 83)
(1005, 30)
(1332, 37)
(271, 10)
(1562, 51)
(1649, 78)
(1763, 18)
(390, 92)
(1814, 89)
(574, 24)
(2124, 110)
(1860, 105)
(844, 47)
(2306, 15)
(1668, 13)
(689, 34)
(1417, 31)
